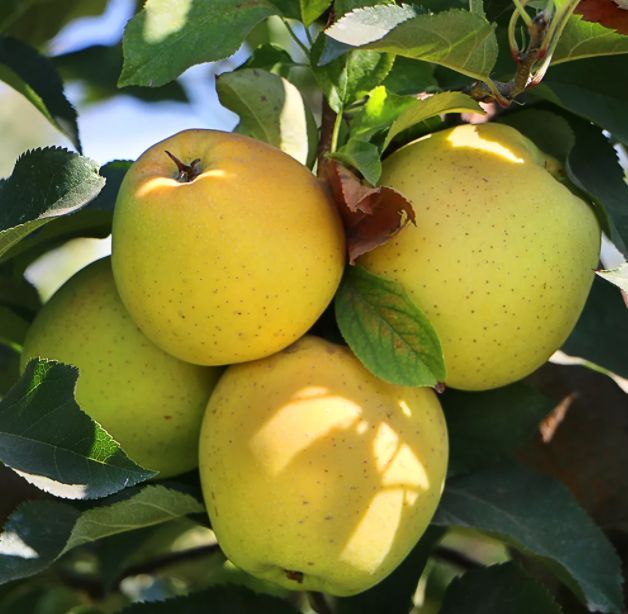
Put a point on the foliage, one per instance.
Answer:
(349, 82)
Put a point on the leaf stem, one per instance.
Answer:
(335, 133)
(520, 8)
(295, 38)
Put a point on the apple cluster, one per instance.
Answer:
(193, 346)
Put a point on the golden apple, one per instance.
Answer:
(502, 256)
(150, 402)
(230, 260)
(316, 474)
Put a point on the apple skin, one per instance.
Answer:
(234, 265)
(502, 256)
(316, 474)
(150, 402)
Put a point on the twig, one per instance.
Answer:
(318, 603)
(326, 141)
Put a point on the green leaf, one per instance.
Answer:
(593, 89)
(101, 84)
(617, 276)
(36, 78)
(217, 600)
(584, 39)
(381, 108)
(457, 39)
(488, 427)
(45, 184)
(601, 334)
(409, 76)
(362, 156)
(39, 532)
(311, 10)
(421, 110)
(593, 166)
(498, 589)
(165, 38)
(395, 593)
(540, 517)
(49, 441)
(270, 108)
(351, 76)
(387, 331)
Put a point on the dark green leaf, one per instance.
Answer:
(395, 593)
(271, 57)
(499, 589)
(362, 156)
(39, 532)
(12, 328)
(48, 440)
(350, 76)
(217, 600)
(459, 40)
(488, 427)
(583, 39)
(164, 39)
(311, 10)
(593, 89)
(601, 334)
(36, 78)
(271, 109)
(539, 516)
(409, 76)
(45, 184)
(37, 21)
(102, 83)
(387, 331)
(592, 165)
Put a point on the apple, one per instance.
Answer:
(502, 256)
(225, 249)
(149, 401)
(317, 475)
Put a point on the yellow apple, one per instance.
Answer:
(231, 260)
(502, 256)
(316, 474)
(150, 402)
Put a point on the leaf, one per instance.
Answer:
(592, 89)
(371, 215)
(601, 334)
(409, 76)
(593, 166)
(351, 76)
(395, 593)
(165, 38)
(388, 333)
(538, 516)
(311, 10)
(421, 110)
(39, 532)
(36, 78)
(49, 441)
(270, 108)
(12, 328)
(457, 39)
(617, 276)
(101, 84)
(488, 427)
(607, 12)
(45, 184)
(584, 39)
(362, 156)
(498, 589)
(227, 599)
(381, 108)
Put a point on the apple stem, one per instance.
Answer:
(187, 172)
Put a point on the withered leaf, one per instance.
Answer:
(606, 12)
(371, 215)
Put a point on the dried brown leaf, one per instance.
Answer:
(606, 12)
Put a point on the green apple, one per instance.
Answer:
(502, 255)
(227, 249)
(150, 402)
(317, 475)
